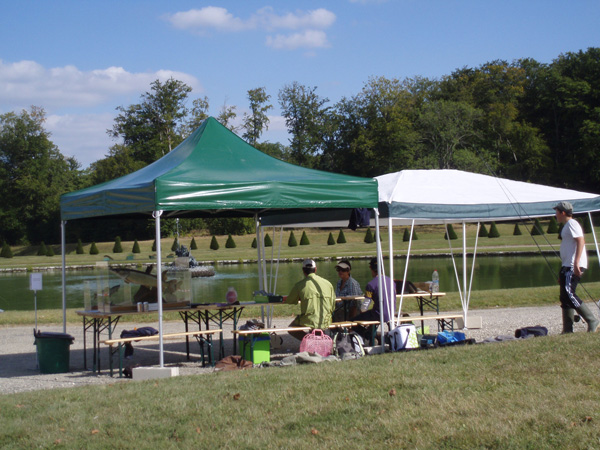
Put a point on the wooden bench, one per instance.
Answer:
(288, 329)
(202, 336)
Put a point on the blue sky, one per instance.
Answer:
(80, 59)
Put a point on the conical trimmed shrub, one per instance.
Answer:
(214, 245)
(230, 242)
(117, 248)
(517, 231)
(79, 249)
(537, 229)
(450, 233)
(94, 249)
(552, 226)
(49, 251)
(154, 245)
(292, 242)
(330, 239)
(587, 226)
(341, 239)
(369, 238)
(253, 243)
(175, 245)
(406, 235)
(42, 250)
(268, 241)
(6, 251)
(136, 247)
(193, 245)
(483, 232)
(304, 239)
(493, 231)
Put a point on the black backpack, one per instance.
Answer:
(535, 331)
(348, 345)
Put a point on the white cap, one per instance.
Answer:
(308, 264)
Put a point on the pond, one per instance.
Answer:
(491, 272)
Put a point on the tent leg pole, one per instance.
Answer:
(63, 225)
(258, 253)
(464, 227)
(380, 279)
(156, 215)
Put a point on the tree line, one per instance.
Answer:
(522, 120)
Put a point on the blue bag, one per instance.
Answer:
(449, 337)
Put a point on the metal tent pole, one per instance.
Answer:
(379, 279)
(156, 215)
(63, 225)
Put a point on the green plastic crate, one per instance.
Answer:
(256, 348)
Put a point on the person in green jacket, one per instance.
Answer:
(317, 300)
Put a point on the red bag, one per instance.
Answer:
(317, 342)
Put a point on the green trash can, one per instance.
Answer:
(53, 351)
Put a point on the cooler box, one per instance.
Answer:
(256, 348)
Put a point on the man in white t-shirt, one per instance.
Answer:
(574, 263)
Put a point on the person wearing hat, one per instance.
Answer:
(347, 287)
(317, 300)
(574, 262)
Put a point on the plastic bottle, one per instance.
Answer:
(231, 295)
(435, 281)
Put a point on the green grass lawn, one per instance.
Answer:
(540, 393)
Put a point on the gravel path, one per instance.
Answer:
(18, 360)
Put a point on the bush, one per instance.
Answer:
(193, 245)
(330, 239)
(268, 241)
(483, 232)
(175, 245)
(230, 243)
(552, 226)
(94, 249)
(79, 249)
(493, 231)
(6, 251)
(117, 248)
(214, 245)
(369, 239)
(253, 243)
(341, 239)
(587, 226)
(517, 230)
(136, 247)
(304, 239)
(406, 235)
(292, 240)
(450, 233)
(42, 250)
(537, 229)
(49, 251)
(154, 245)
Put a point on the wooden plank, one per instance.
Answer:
(112, 342)
(270, 330)
(413, 319)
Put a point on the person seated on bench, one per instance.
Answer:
(316, 297)
(347, 287)
(372, 295)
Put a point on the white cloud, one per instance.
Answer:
(209, 17)
(27, 83)
(306, 39)
(82, 136)
(318, 18)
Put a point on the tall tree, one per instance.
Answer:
(226, 116)
(197, 114)
(257, 120)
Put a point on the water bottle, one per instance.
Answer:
(435, 281)
(231, 295)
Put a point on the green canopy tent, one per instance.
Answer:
(214, 173)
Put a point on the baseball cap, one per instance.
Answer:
(308, 264)
(564, 206)
(343, 265)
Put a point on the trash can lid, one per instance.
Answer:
(52, 335)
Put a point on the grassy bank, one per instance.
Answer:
(513, 395)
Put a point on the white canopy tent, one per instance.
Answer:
(415, 197)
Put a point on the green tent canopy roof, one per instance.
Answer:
(214, 172)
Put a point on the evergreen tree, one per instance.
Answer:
(230, 242)
(268, 241)
(587, 226)
(154, 245)
(49, 251)
(552, 226)
(79, 249)
(450, 232)
(493, 231)
(483, 232)
(537, 229)
(136, 247)
(94, 249)
(175, 245)
(6, 251)
(369, 239)
(42, 250)
(214, 245)
(292, 240)
(517, 230)
(406, 235)
(117, 248)
(330, 239)
(253, 243)
(304, 239)
(341, 239)
(193, 245)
